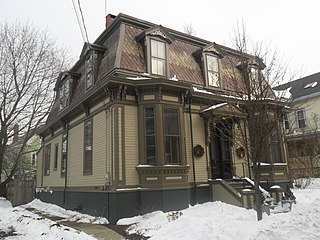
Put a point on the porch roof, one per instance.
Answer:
(223, 109)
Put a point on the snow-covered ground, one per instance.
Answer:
(214, 220)
(20, 223)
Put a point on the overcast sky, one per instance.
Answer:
(290, 26)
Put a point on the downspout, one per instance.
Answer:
(192, 152)
(247, 147)
(66, 167)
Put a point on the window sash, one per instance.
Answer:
(64, 152)
(89, 72)
(286, 121)
(171, 136)
(56, 154)
(64, 94)
(47, 160)
(87, 161)
(213, 71)
(301, 120)
(158, 57)
(150, 136)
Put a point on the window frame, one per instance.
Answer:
(64, 94)
(154, 135)
(88, 143)
(64, 154)
(89, 69)
(304, 119)
(172, 135)
(56, 156)
(47, 156)
(150, 56)
(34, 159)
(207, 70)
(286, 121)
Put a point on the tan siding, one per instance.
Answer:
(99, 148)
(54, 179)
(75, 157)
(198, 138)
(131, 145)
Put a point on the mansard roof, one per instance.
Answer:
(120, 51)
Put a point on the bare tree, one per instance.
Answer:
(29, 65)
(188, 29)
(258, 129)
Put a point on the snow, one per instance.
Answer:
(217, 220)
(214, 107)
(29, 225)
(212, 220)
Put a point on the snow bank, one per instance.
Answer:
(4, 203)
(68, 215)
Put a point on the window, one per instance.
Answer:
(33, 159)
(150, 136)
(89, 71)
(87, 163)
(171, 136)
(158, 57)
(300, 118)
(47, 153)
(254, 79)
(213, 70)
(56, 156)
(64, 153)
(276, 146)
(64, 94)
(286, 121)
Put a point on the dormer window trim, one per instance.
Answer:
(89, 69)
(212, 70)
(150, 37)
(64, 94)
(157, 54)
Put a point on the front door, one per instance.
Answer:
(220, 151)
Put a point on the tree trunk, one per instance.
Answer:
(3, 189)
(257, 194)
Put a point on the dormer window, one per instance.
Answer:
(213, 76)
(158, 57)
(89, 71)
(64, 94)
(156, 41)
(254, 79)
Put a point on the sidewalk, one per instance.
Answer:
(100, 232)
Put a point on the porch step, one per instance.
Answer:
(239, 184)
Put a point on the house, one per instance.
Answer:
(145, 120)
(302, 125)
(21, 189)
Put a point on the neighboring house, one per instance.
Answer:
(22, 187)
(134, 126)
(302, 125)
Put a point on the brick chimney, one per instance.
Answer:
(15, 134)
(109, 19)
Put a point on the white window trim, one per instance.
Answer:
(206, 67)
(304, 117)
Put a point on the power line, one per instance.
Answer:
(78, 19)
(84, 25)
(81, 21)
